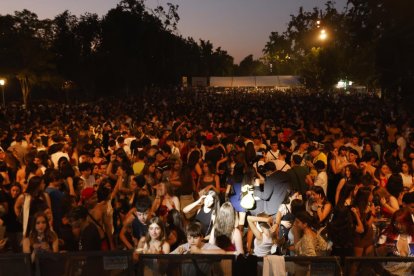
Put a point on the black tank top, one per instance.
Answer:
(205, 220)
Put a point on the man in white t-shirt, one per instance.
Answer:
(322, 178)
(280, 162)
(354, 144)
(57, 155)
(85, 169)
(273, 153)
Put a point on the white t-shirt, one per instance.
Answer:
(263, 248)
(186, 247)
(322, 180)
(57, 155)
(89, 182)
(281, 165)
(154, 141)
(407, 180)
(271, 155)
(355, 147)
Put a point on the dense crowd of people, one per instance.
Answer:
(289, 173)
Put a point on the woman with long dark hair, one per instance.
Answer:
(194, 165)
(41, 237)
(319, 206)
(235, 185)
(407, 175)
(68, 174)
(32, 201)
(207, 207)
(208, 180)
(346, 197)
(284, 216)
(335, 167)
(351, 173)
(175, 229)
(364, 242)
(342, 230)
(13, 226)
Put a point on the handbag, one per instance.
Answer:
(247, 201)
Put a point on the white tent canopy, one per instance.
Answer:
(255, 81)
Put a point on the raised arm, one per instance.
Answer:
(252, 224)
(196, 204)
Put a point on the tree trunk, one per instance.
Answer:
(25, 86)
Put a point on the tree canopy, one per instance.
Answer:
(369, 42)
(132, 47)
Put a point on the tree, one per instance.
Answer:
(385, 30)
(251, 67)
(222, 63)
(129, 48)
(25, 54)
(278, 54)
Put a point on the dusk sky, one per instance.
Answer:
(241, 27)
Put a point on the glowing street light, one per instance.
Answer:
(323, 35)
(2, 84)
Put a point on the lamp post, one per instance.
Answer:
(2, 84)
(323, 35)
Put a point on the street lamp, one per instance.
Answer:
(323, 35)
(2, 84)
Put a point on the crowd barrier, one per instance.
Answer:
(15, 264)
(108, 263)
(120, 263)
(188, 264)
(401, 266)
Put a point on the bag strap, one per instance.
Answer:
(95, 221)
(288, 210)
(101, 227)
(283, 166)
(273, 154)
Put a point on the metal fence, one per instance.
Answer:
(108, 263)
(15, 264)
(120, 263)
(366, 266)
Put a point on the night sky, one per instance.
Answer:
(241, 27)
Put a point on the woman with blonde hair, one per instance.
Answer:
(225, 233)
